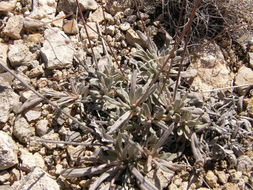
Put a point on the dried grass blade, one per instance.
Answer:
(28, 104)
(124, 118)
(89, 171)
(143, 183)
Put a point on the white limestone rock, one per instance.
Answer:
(14, 26)
(3, 55)
(8, 151)
(57, 50)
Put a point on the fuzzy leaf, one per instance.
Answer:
(123, 119)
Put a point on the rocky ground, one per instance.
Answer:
(72, 61)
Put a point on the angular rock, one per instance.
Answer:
(91, 30)
(42, 127)
(231, 186)
(14, 27)
(8, 100)
(38, 179)
(57, 50)
(70, 5)
(243, 77)
(5, 187)
(8, 151)
(19, 54)
(244, 163)
(222, 177)
(212, 70)
(44, 11)
(32, 115)
(71, 27)
(7, 6)
(31, 24)
(98, 16)
(59, 20)
(22, 130)
(3, 55)
(211, 179)
(124, 26)
(29, 161)
(132, 38)
(6, 79)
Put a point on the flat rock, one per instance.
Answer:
(14, 26)
(32, 115)
(29, 161)
(8, 100)
(8, 151)
(5, 187)
(44, 11)
(212, 71)
(7, 6)
(19, 54)
(38, 179)
(57, 50)
(243, 77)
(3, 55)
(22, 130)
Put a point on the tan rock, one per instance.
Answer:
(71, 27)
(222, 177)
(132, 38)
(91, 30)
(3, 55)
(212, 70)
(7, 6)
(244, 77)
(231, 186)
(211, 179)
(58, 21)
(14, 26)
(98, 16)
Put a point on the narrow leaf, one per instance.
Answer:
(89, 171)
(143, 182)
(133, 88)
(124, 118)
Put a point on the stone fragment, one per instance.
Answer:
(7, 6)
(19, 54)
(244, 163)
(222, 177)
(243, 77)
(31, 24)
(59, 20)
(110, 30)
(102, 63)
(42, 127)
(8, 100)
(5, 187)
(91, 30)
(98, 16)
(211, 179)
(235, 176)
(44, 11)
(124, 26)
(231, 186)
(8, 151)
(70, 5)
(6, 79)
(38, 179)
(71, 27)
(32, 115)
(14, 26)
(212, 70)
(132, 38)
(114, 7)
(57, 50)
(22, 130)
(29, 161)
(3, 56)
(51, 136)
